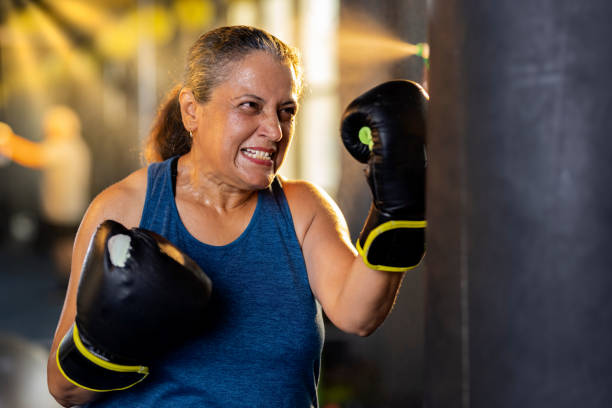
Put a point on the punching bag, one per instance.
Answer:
(519, 205)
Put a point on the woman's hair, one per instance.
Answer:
(207, 61)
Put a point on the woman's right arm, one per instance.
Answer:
(121, 202)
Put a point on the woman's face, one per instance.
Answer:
(244, 130)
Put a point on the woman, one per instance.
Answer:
(276, 250)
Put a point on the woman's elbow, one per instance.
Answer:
(59, 392)
(64, 392)
(70, 396)
(361, 329)
(366, 330)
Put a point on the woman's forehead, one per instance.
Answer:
(262, 72)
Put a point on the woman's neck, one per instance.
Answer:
(198, 184)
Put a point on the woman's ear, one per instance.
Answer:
(188, 105)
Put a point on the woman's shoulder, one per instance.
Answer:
(299, 192)
(122, 201)
(306, 200)
(306, 193)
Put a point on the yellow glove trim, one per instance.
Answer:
(99, 362)
(386, 226)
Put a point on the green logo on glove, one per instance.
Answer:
(365, 136)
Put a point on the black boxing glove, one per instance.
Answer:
(386, 128)
(138, 297)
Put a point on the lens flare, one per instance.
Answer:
(362, 41)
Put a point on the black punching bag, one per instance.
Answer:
(519, 203)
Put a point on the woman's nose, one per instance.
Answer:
(271, 127)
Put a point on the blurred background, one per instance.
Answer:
(80, 81)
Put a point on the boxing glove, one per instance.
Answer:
(386, 128)
(138, 297)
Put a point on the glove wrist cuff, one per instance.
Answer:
(389, 244)
(87, 370)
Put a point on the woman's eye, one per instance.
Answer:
(250, 106)
(287, 113)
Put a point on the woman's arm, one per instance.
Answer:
(384, 128)
(121, 202)
(355, 298)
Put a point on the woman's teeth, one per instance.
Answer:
(258, 154)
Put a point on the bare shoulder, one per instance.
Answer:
(307, 201)
(305, 193)
(122, 201)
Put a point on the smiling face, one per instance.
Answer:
(242, 133)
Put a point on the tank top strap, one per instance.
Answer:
(274, 195)
(160, 193)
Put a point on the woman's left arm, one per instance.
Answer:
(354, 297)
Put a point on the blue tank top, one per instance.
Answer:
(264, 344)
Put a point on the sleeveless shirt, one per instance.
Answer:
(263, 344)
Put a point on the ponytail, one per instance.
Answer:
(168, 136)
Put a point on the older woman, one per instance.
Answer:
(278, 251)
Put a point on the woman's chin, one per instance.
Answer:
(259, 182)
